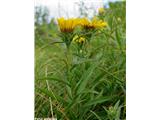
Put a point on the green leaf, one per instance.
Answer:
(54, 79)
(98, 118)
(84, 79)
(52, 95)
(98, 100)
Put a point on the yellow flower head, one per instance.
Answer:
(78, 39)
(81, 40)
(87, 24)
(67, 25)
(101, 10)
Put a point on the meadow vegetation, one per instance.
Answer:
(80, 66)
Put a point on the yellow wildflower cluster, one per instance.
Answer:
(87, 24)
(101, 10)
(68, 25)
(78, 39)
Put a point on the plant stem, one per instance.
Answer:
(49, 90)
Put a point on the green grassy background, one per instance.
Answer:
(81, 88)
